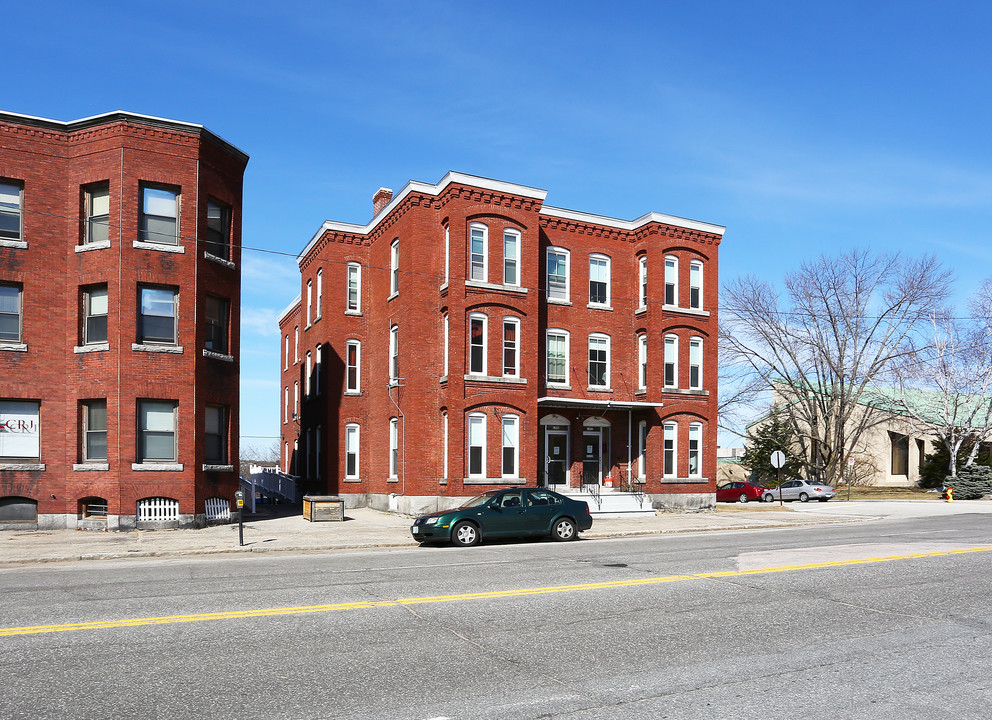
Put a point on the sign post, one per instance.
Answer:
(240, 497)
(778, 460)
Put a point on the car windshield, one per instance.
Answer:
(480, 499)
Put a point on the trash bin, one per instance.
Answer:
(321, 508)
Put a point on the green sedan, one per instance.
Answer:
(515, 512)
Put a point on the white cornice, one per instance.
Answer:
(289, 308)
(651, 217)
(427, 189)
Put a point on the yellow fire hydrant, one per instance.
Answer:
(950, 494)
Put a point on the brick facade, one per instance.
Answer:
(506, 423)
(112, 210)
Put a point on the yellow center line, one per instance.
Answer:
(402, 602)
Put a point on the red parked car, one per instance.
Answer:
(740, 492)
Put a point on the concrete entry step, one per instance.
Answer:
(614, 504)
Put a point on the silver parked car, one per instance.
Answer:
(801, 490)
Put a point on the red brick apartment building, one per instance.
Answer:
(471, 337)
(119, 304)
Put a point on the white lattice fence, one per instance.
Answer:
(158, 509)
(218, 509)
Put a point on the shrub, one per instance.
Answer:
(971, 483)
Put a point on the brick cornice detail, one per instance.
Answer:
(642, 233)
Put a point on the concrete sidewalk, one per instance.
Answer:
(283, 529)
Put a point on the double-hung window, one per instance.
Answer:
(96, 229)
(157, 323)
(642, 450)
(94, 414)
(642, 361)
(159, 216)
(671, 444)
(511, 441)
(671, 361)
(10, 313)
(354, 297)
(599, 280)
(309, 303)
(215, 435)
(557, 343)
(695, 363)
(353, 367)
(216, 315)
(447, 253)
(219, 230)
(394, 267)
(95, 315)
(696, 285)
(476, 445)
(511, 257)
(352, 436)
(320, 292)
(477, 352)
(642, 282)
(10, 210)
(478, 252)
(511, 347)
(695, 446)
(296, 344)
(444, 344)
(308, 376)
(394, 354)
(671, 280)
(157, 430)
(558, 274)
(599, 361)
(394, 447)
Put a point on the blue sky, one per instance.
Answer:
(805, 128)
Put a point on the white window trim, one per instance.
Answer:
(642, 450)
(317, 358)
(515, 234)
(394, 448)
(356, 269)
(358, 365)
(515, 321)
(485, 344)
(479, 418)
(394, 352)
(320, 293)
(296, 345)
(447, 255)
(309, 303)
(642, 361)
(444, 439)
(567, 335)
(599, 336)
(674, 281)
(394, 267)
(306, 377)
(285, 405)
(599, 257)
(642, 283)
(296, 400)
(568, 274)
(696, 265)
(696, 427)
(675, 360)
(698, 343)
(358, 455)
(514, 420)
(485, 252)
(285, 361)
(445, 325)
(674, 428)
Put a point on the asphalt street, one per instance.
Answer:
(884, 619)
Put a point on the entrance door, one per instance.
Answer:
(556, 461)
(592, 457)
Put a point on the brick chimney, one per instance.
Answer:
(380, 200)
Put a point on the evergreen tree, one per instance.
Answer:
(763, 440)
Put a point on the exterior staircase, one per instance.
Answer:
(606, 502)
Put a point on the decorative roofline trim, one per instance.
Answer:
(289, 308)
(651, 217)
(118, 116)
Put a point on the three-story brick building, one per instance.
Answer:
(471, 337)
(119, 306)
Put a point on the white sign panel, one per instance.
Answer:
(20, 429)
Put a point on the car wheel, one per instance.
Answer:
(743, 498)
(465, 534)
(769, 498)
(803, 497)
(563, 530)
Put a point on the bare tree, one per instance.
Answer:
(740, 394)
(844, 322)
(943, 387)
(255, 453)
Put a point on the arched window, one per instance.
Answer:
(511, 347)
(696, 284)
(671, 448)
(642, 361)
(352, 437)
(477, 345)
(557, 347)
(695, 363)
(642, 283)
(695, 449)
(353, 298)
(599, 280)
(394, 354)
(477, 445)
(599, 361)
(510, 442)
(671, 280)
(353, 366)
(478, 252)
(558, 282)
(671, 361)
(511, 257)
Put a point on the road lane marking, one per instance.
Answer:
(486, 595)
